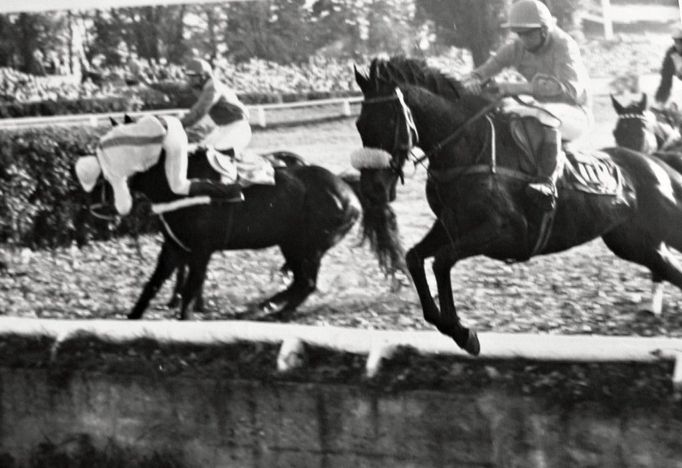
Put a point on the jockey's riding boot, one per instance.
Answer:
(543, 191)
(215, 189)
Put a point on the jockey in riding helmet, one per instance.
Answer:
(672, 66)
(221, 103)
(132, 148)
(549, 59)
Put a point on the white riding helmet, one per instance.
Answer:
(198, 67)
(525, 14)
(88, 171)
(677, 32)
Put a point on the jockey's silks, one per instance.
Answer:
(131, 148)
(126, 150)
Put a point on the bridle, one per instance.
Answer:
(410, 129)
(103, 208)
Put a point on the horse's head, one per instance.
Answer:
(388, 135)
(637, 128)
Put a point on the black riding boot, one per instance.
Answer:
(215, 189)
(543, 191)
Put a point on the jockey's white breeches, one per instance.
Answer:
(571, 121)
(236, 135)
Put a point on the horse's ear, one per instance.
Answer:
(127, 119)
(643, 102)
(361, 79)
(113, 122)
(617, 105)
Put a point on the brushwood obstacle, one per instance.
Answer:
(230, 393)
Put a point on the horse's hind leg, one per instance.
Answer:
(305, 268)
(654, 255)
(167, 261)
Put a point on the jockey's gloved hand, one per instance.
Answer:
(214, 189)
(472, 83)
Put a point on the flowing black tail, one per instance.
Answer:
(380, 229)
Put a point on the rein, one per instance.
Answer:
(161, 208)
(458, 133)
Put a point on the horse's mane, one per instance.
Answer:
(400, 70)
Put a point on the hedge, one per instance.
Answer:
(139, 98)
(41, 202)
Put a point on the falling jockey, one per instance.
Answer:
(129, 149)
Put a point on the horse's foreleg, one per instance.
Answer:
(176, 295)
(305, 271)
(427, 247)
(449, 323)
(167, 261)
(474, 241)
(192, 289)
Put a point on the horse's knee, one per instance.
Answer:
(442, 265)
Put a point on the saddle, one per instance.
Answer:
(585, 171)
(245, 169)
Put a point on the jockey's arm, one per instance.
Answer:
(503, 58)
(200, 109)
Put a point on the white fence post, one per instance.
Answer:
(607, 19)
(346, 106)
(261, 116)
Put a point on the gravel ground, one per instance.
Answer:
(585, 290)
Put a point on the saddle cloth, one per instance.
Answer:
(246, 168)
(591, 172)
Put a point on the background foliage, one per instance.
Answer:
(285, 31)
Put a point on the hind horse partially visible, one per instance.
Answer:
(646, 130)
(476, 177)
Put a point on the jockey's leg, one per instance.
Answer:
(176, 147)
(543, 190)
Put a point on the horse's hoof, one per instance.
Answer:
(473, 347)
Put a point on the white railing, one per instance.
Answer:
(258, 114)
(377, 345)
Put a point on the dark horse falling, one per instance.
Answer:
(306, 212)
(475, 187)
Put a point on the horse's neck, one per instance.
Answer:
(437, 119)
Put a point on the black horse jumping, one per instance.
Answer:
(476, 179)
(306, 212)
